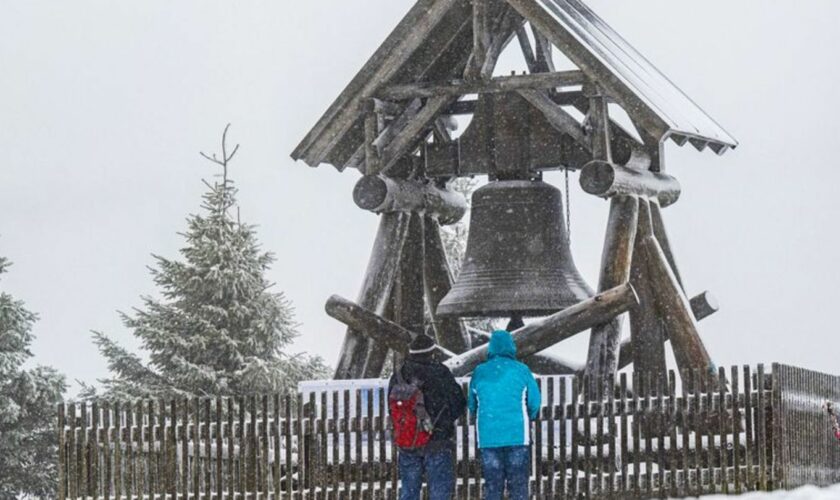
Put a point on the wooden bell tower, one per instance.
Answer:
(393, 124)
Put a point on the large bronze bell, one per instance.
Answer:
(517, 261)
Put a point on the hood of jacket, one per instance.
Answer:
(501, 345)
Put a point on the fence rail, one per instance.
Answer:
(647, 438)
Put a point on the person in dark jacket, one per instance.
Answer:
(445, 403)
(505, 398)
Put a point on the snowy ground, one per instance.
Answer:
(806, 493)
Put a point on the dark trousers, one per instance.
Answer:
(437, 465)
(508, 466)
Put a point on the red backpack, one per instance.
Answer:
(412, 425)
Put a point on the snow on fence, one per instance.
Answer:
(741, 430)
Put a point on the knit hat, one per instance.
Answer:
(421, 345)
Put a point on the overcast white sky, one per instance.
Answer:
(104, 106)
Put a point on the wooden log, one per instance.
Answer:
(409, 304)
(540, 363)
(556, 116)
(548, 331)
(647, 335)
(616, 261)
(606, 180)
(492, 86)
(702, 306)
(379, 279)
(380, 194)
(386, 332)
(664, 242)
(675, 309)
(450, 332)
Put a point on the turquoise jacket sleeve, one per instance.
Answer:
(472, 402)
(534, 397)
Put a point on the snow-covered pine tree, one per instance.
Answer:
(28, 408)
(219, 329)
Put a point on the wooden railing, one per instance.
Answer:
(650, 438)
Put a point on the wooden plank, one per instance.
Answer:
(734, 428)
(133, 436)
(723, 422)
(575, 464)
(107, 471)
(335, 476)
(661, 432)
(761, 429)
(62, 452)
(684, 488)
(346, 473)
(648, 430)
(288, 428)
(612, 436)
(708, 419)
(598, 469)
(749, 429)
(118, 450)
(537, 446)
(371, 433)
(551, 420)
(500, 84)
(265, 469)
(697, 424)
(556, 116)
(381, 429)
(357, 437)
(623, 485)
(672, 423)
(72, 465)
(637, 433)
(561, 417)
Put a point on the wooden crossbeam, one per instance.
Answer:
(492, 86)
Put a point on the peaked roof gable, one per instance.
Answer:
(433, 42)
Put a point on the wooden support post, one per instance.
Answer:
(662, 237)
(647, 334)
(702, 306)
(605, 179)
(409, 299)
(548, 331)
(481, 38)
(383, 331)
(616, 260)
(384, 194)
(542, 53)
(674, 309)
(599, 121)
(450, 332)
(379, 279)
(371, 133)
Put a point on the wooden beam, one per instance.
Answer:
(703, 306)
(616, 261)
(380, 276)
(556, 116)
(407, 138)
(599, 123)
(543, 52)
(380, 194)
(605, 179)
(527, 51)
(675, 310)
(481, 38)
(495, 85)
(450, 332)
(548, 331)
(664, 241)
(384, 332)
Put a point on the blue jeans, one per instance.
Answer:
(509, 465)
(439, 469)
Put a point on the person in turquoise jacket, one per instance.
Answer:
(504, 397)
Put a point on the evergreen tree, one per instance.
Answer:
(219, 329)
(28, 407)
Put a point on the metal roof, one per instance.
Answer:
(433, 43)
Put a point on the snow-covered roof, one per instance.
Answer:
(433, 43)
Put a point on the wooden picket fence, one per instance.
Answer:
(730, 433)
